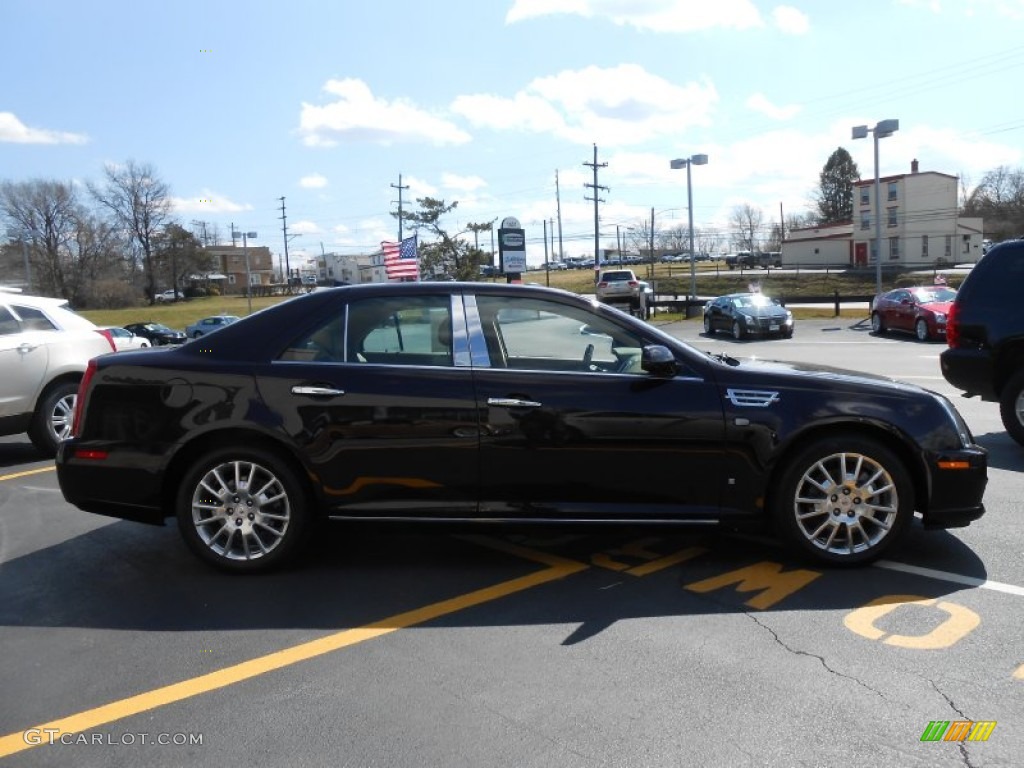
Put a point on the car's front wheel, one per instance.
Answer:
(738, 331)
(707, 325)
(1011, 406)
(242, 509)
(877, 324)
(51, 422)
(843, 500)
(921, 329)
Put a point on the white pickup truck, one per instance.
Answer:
(621, 287)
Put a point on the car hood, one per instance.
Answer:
(834, 376)
(939, 307)
(767, 310)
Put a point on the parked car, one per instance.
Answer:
(921, 310)
(208, 325)
(158, 334)
(743, 259)
(169, 295)
(497, 403)
(44, 351)
(621, 287)
(985, 334)
(124, 339)
(748, 314)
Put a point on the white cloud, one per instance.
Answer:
(1010, 9)
(790, 20)
(652, 15)
(208, 202)
(609, 106)
(462, 183)
(313, 181)
(759, 103)
(357, 115)
(14, 131)
(304, 227)
(419, 188)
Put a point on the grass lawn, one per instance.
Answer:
(715, 280)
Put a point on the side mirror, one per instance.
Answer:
(658, 361)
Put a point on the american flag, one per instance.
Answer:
(400, 259)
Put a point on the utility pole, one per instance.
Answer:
(597, 199)
(558, 205)
(233, 234)
(399, 187)
(650, 255)
(547, 266)
(284, 230)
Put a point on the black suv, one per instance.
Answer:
(985, 334)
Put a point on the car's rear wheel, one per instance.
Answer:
(921, 329)
(1011, 406)
(242, 509)
(843, 500)
(877, 324)
(51, 422)
(738, 331)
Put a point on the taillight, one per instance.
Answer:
(602, 284)
(633, 283)
(953, 326)
(106, 334)
(83, 385)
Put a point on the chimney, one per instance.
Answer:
(913, 165)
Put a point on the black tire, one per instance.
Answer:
(708, 330)
(877, 324)
(1011, 406)
(51, 422)
(738, 331)
(921, 329)
(236, 531)
(864, 509)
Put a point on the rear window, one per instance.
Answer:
(998, 276)
(612, 277)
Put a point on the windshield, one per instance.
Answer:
(931, 295)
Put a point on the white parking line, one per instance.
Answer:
(956, 578)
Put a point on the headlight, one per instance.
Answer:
(940, 317)
(959, 424)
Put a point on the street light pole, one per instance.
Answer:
(881, 130)
(676, 165)
(248, 273)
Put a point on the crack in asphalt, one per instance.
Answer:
(821, 659)
(952, 705)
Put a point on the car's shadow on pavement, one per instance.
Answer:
(15, 452)
(131, 576)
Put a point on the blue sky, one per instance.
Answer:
(480, 101)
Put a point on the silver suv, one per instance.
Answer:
(44, 350)
(622, 287)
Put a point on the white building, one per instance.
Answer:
(351, 268)
(921, 227)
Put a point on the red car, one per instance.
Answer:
(921, 311)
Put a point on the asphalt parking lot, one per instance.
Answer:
(526, 648)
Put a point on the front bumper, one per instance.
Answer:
(958, 480)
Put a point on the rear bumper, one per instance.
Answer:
(128, 491)
(970, 370)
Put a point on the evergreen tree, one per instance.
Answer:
(835, 193)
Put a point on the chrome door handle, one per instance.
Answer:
(512, 402)
(317, 391)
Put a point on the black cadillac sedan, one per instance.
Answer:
(748, 314)
(157, 333)
(501, 404)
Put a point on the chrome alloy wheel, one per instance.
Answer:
(241, 510)
(62, 415)
(845, 503)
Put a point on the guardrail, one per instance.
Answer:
(694, 307)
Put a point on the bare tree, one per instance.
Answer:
(746, 223)
(141, 205)
(999, 199)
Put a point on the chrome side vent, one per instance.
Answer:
(751, 398)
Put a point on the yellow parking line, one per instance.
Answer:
(84, 721)
(26, 473)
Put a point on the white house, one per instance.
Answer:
(921, 227)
